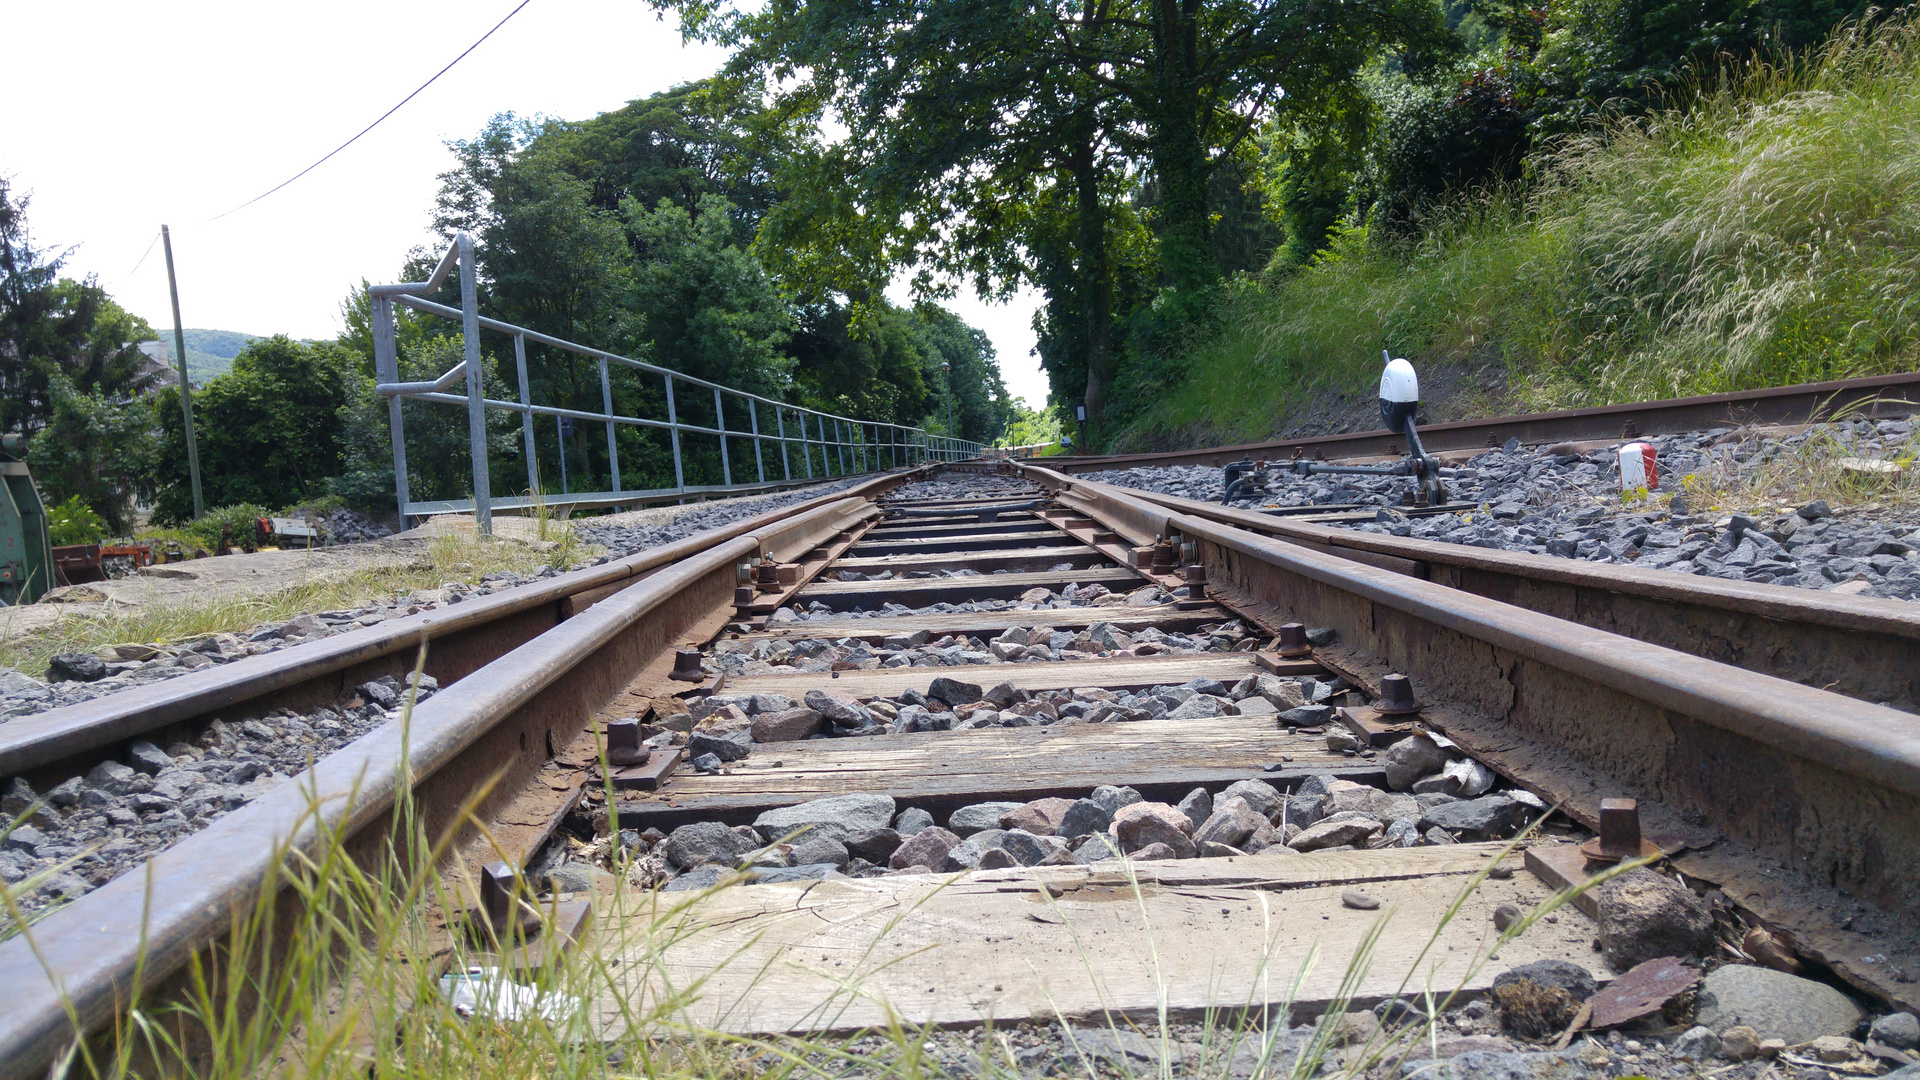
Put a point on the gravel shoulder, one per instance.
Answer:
(1732, 504)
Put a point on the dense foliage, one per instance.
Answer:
(1226, 204)
(1763, 235)
(272, 431)
(641, 231)
(1128, 158)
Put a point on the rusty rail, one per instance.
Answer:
(537, 694)
(462, 639)
(1827, 784)
(1879, 395)
(1861, 646)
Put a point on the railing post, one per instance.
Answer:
(606, 407)
(673, 428)
(720, 421)
(840, 444)
(476, 401)
(753, 418)
(786, 456)
(386, 367)
(526, 418)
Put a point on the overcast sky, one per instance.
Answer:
(134, 114)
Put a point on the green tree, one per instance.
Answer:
(99, 451)
(873, 368)
(705, 305)
(711, 137)
(992, 129)
(52, 328)
(981, 406)
(272, 431)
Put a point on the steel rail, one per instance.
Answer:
(463, 637)
(131, 934)
(1797, 404)
(1862, 646)
(1828, 783)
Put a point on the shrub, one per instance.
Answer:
(74, 522)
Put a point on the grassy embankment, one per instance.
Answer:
(1767, 233)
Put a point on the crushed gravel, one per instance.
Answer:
(1553, 501)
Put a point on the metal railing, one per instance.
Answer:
(849, 447)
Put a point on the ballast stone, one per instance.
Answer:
(1774, 1004)
(835, 815)
(980, 816)
(1645, 916)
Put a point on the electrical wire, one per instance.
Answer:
(383, 116)
(144, 254)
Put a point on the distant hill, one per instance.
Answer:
(210, 353)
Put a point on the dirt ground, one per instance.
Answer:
(222, 577)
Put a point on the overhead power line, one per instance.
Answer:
(144, 254)
(383, 116)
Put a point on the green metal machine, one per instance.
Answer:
(26, 550)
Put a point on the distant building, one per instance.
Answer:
(157, 365)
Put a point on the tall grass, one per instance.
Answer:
(1762, 230)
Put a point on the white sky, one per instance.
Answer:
(144, 113)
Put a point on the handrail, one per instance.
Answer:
(852, 447)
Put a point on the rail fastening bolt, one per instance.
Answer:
(686, 666)
(1396, 696)
(1619, 829)
(623, 742)
(496, 894)
(1163, 556)
(1196, 581)
(1293, 640)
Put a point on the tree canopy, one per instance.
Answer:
(55, 329)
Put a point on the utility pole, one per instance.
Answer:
(947, 367)
(186, 389)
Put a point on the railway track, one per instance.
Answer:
(1873, 396)
(977, 672)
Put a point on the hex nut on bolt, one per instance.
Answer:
(1293, 640)
(1619, 833)
(686, 666)
(496, 893)
(1396, 696)
(1163, 556)
(623, 742)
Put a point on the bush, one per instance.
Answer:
(239, 520)
(74, 522)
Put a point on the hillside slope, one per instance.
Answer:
(1767, 234)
